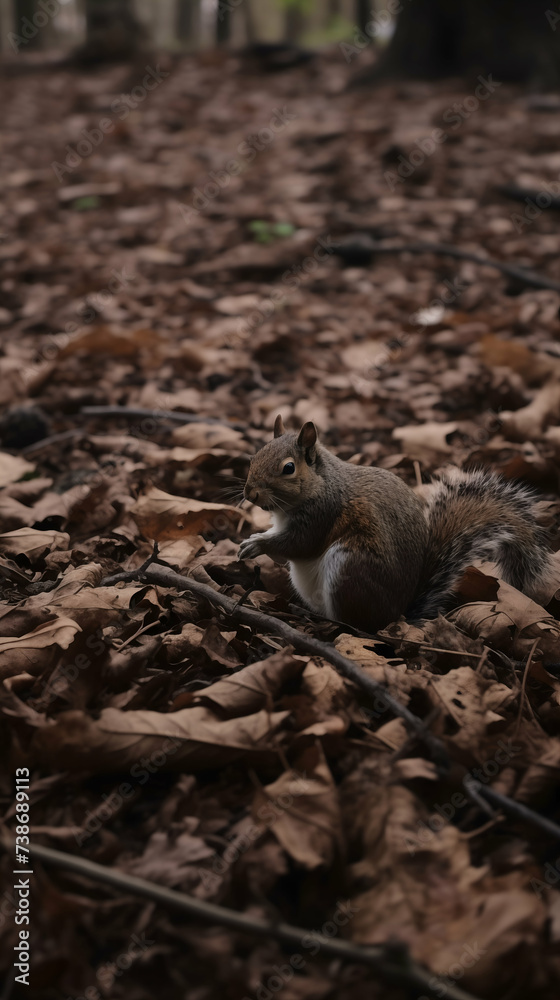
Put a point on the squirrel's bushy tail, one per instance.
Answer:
(478, 515)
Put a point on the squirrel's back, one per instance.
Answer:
(480, 516)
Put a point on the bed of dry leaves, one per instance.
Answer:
(164, 738)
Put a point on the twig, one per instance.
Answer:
(472, 789)
(522, 194)
(152, 558)
(139, 413)
(52, 439)
(470, 834)
(482, 660)
(523, 689)
(300, 641)
(439, 649)
(403, 972)
(512, 808)
(529, 278)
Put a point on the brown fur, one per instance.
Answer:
(364, 550)
(370, 514)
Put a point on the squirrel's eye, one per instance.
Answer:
(288, 469)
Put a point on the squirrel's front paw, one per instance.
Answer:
(251, 547)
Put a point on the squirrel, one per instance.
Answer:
(364, 549)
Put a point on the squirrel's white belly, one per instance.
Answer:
(315, 579)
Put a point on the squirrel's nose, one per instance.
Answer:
(251, 495)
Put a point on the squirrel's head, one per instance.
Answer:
(282, 475)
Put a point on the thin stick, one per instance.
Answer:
(481, 829)
(404, 972)
(529, 278)
(522, 194)
(300, 641)
(473, 793)
(512, 808)
(139, 413)
(482, 660)
(440, 649)
(52, 439)
(523, 688)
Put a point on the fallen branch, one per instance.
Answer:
(391, 962)
(301, 641)
(52, 439)
(529, 194)
(139, 413)
(511, 808)
(365, 245)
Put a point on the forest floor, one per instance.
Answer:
(203, 247)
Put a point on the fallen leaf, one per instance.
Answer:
(425, 441)
(162, 516)
(32, 543)
(302, 810)
(25, 652)
(13, 467)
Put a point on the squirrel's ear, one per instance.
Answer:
(279, 426)
(307, 436)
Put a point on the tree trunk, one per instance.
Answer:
(24, 26)
(113, 32)
(515, 40)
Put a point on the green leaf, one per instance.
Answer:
(284, 229)
(86, 203)
(266, 232)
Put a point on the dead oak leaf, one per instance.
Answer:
(14, 514)
(470, 700)
(162, 516)
(91, 607)
(169, 860)
(424, 888)
(191, 739)
(254, 687)
(102, 340)
(511, 623)
(13, 467)
(210, 436)
(425, 442)
(33, 651)
(394, 676)
(302, 810)
(33, 543)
